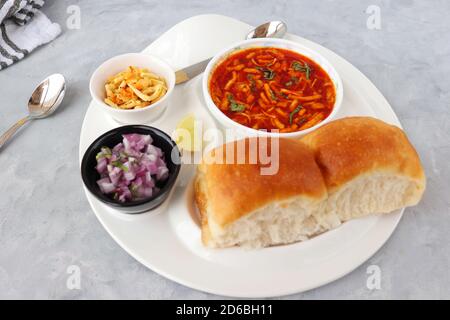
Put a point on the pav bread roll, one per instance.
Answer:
(241, 206)
(368, 166)
(346, 169)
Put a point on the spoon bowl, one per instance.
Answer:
(47, 96)
(44, 100)
(271, 29)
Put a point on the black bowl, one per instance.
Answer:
(110, 139)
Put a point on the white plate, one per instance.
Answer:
(170, 243)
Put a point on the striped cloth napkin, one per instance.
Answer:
(23, 27)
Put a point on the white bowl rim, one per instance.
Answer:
(219, 115)
(170, 84)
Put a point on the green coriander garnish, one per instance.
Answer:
(120, 165)
(106, 150)
(101, 155)
(271, 93)
(104, 153)
(268, 74)
(252, 82)
(305, 68)
(294, 112)
(237, 107)
(234, 106)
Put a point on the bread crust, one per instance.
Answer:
(316, 166)
(349, 147)
(226, 192)
(201, 201)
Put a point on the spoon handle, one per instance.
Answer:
(10, 132)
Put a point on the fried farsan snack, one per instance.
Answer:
(134, 88)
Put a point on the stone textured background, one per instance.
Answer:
(46, 223)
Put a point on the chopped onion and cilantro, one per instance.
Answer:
(131, 169)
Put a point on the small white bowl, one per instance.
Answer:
(120, 63)
(277, 43)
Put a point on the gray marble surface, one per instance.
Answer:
(46, 224)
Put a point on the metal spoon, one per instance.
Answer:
(272, 29)
(45, 99)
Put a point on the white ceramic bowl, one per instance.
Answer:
(120, 63)
(278, 43)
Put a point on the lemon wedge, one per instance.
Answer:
(187, 136)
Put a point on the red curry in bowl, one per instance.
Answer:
(268, 88)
